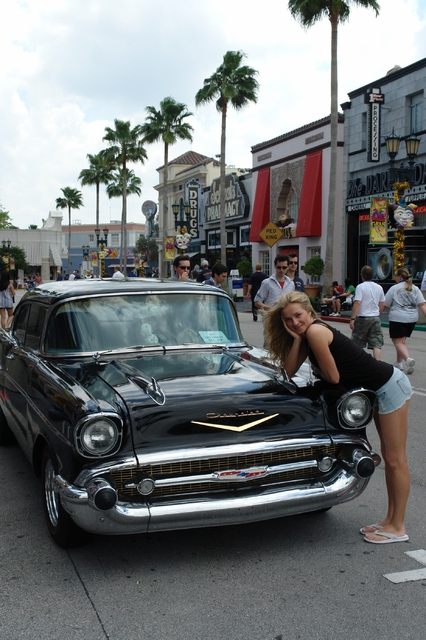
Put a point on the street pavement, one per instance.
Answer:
(304, 577)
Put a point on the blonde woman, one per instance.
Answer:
(294, 333)
(403, 301)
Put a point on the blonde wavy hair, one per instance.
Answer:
(404, 273)
(277, 338)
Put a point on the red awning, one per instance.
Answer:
(262, 205)
(309, 220)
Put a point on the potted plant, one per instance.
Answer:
(313, 267)
(245, 270)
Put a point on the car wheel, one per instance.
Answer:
(61, 526)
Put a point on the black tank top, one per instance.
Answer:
(357, 368)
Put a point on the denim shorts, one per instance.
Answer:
(394, 393)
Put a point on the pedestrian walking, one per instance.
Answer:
(205, 272)
(293, 263)
(219, 275)
(403, 300)
(255, 280)
(273, 287)
(294, 332)
(7, 298)
(365, 321)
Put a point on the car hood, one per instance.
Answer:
(199, 398)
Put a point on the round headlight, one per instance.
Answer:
(355, 410)
(99, 436)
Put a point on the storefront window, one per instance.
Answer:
(244, 235)
(264, 261)
(416, 108)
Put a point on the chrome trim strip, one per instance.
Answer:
(269, 503)
(213, 477)
(205, 453)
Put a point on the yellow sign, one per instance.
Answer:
(271, 234)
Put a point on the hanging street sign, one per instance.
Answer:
(271, 233)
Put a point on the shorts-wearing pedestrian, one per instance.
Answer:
(368, 332)
(394, 394)
(400, 329)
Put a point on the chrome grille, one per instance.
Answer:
(187, 467)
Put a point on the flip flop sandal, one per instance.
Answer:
(375, 527)
(387, 538)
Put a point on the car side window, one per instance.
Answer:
(20, 324)
(35, 326)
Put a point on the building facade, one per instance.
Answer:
(42, 246)
(291, 185)
(193, 180)
(392, 105)
(85, 250)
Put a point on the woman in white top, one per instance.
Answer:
(7, 293)
(403, 301)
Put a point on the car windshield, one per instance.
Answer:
(117, 322)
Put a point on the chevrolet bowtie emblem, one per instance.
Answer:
(229, 427)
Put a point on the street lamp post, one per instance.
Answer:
(85, 249)
(183, 210)
(102, 246)
(401, 177)
(5, 255)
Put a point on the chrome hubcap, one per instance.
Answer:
(51, 496)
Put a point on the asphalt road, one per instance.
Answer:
(304, 577)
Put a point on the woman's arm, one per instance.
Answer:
(422, 306)
(296, 356)
(319, 339)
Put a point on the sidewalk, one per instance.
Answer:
(244, 306)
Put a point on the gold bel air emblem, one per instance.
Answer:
(229, 427)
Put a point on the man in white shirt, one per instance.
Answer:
(117, 273)
(365, 321)
(275, 286)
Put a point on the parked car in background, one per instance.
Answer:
(142, 408)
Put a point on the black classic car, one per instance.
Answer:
(143, 409)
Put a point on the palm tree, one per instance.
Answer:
(99, 172)
(308, 12)
(115, 187)
(167, 124)
(235, 84)
(72, 199)
(125, 146)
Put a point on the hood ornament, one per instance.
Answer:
(229, 427)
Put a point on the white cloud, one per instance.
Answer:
(71, 66)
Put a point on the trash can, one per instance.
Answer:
(235, 284)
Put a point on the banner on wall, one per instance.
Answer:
(169, 248)
(379, 221)
(94, 258)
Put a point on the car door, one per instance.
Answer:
(19, 362)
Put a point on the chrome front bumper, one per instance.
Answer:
(126, 517)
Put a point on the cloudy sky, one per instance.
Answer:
(69, 67)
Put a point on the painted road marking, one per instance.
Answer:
(415, 574)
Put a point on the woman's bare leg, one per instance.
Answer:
(393, 429)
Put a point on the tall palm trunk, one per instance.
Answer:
(123, 244)
(329, 252)
(222, 184)
(163, 265)
(69, 239)
(97, 205)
